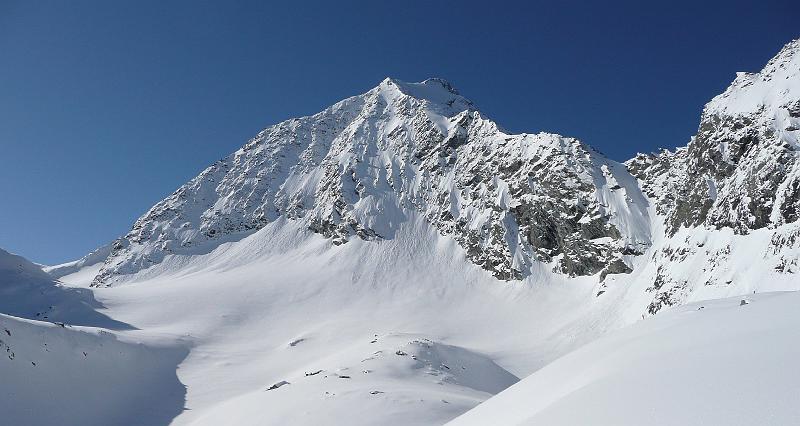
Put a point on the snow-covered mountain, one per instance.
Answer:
(355, 170)
(400, 256)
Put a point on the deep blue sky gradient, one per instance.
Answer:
(107, 107)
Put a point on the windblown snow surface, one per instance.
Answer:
(399, 259)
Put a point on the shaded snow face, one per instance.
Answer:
(356, 169)
(26, 291)
(59, 374)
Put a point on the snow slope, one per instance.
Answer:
(285, 301)
(713, 363)
(395, 378)
(91, 262)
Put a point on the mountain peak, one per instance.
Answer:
(436, 91)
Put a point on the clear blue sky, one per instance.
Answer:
(106, 107)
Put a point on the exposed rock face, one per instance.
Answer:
(741, 170)
(353, 170)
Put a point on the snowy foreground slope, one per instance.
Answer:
(717, 362)
(399, 258)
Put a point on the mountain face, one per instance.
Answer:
(355, 169)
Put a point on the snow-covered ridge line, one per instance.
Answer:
(771, 88)
(96, 256)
